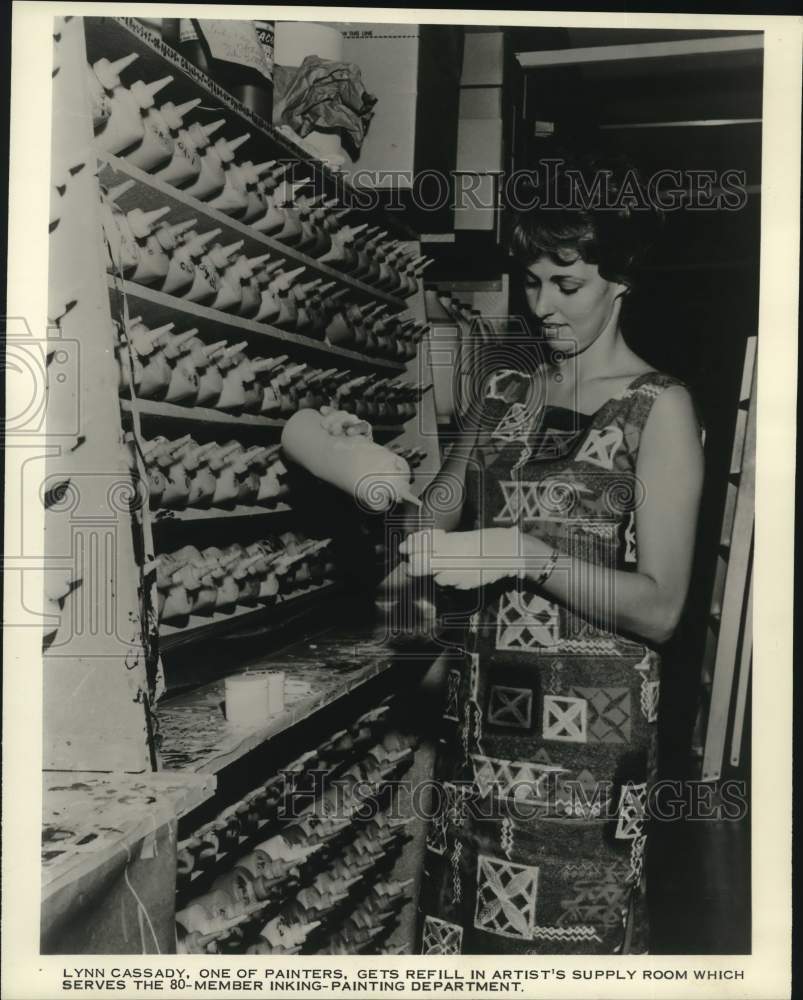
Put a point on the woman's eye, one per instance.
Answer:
(570, 291)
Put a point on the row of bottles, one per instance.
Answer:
(277, 881)
(157, 140)
(144, 247)
(182, 369)
(185, 474)
(192, 581)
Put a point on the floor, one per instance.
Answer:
(699, 878)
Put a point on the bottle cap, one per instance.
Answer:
(168, 235)
(224, 253)
(145, 93)
(235, 349)
(182, 110)
(109, 72)
(180, 344)
(288, 277)
(255, 263)
(228, 147)
(213, 349)
(147, 341)
(197, 244)
(173, 446)
(210, 129)
(270, 268)
(142, 223)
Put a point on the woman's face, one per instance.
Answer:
(571, 301)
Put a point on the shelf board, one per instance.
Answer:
(164, 516)
(150, 408)
(201, 627)
(157, 308)
(107, 814)
(196, 737)
(113, 37)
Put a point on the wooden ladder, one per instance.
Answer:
(728, 652)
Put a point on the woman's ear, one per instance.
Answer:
(620, 289)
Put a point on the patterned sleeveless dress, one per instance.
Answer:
(548, 740)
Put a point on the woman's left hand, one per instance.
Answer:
(462, 559)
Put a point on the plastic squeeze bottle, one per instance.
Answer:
(210, 382)
(206, 283)
(269, 307)
(202, 480)
(183, 386)
(154, 251)
(103, 78)
(125, 126)
(162, 126)
(369, 472)
(185, 163)
(230, 364)
(212, 178)
(181, 272)
(233, 280)
(252, 271)
(121, 244)
(150, 366)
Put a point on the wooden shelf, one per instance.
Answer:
(196, 737)
(201, 627)
(113, 37)
(156, 308)
(164, 516)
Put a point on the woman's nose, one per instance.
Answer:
(540, 304)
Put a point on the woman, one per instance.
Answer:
(579, 479)
(580, 483)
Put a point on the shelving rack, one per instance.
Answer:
(105, 704)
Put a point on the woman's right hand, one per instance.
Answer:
(341, 424)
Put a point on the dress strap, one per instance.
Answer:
(636, 403)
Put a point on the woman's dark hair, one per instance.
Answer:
(589, 208)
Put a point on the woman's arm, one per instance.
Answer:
(647, 603)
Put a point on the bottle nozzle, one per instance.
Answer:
(179, 228)
(212, 127)
(203, 238)
(234, 144)
(181, 340)
(183, 109)
(264, 168)
(148, 91)
(270, 268)
(109, 72)
(235, 349)
(256, 262)
(142, 223)
(290, 276)
(173, 446)
(214, 349)
(153, 336)
(231, 249)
